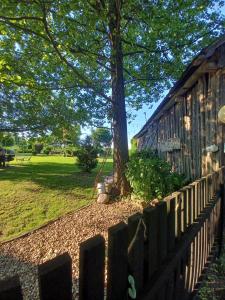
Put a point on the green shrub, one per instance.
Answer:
(87, 156)
(134, 146)
(38, 147)
(47, 150)
(70, 151)
(151, 177)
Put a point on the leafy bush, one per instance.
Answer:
(70, 151)
(47, 150)
(38, 148)
(25, 151)
(87, 156)
(151, 177)
(134, 146)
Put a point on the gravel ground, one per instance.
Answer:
(21, 256)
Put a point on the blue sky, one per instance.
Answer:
(142, 116)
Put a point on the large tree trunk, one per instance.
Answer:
(120, 141)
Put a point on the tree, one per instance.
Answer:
(102, 137)
(38, 147)
(87, 50)
(7, 140)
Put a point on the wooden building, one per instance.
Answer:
(184, 129)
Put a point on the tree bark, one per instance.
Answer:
(120, 141)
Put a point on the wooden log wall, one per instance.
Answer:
(191, 119)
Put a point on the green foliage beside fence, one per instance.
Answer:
(151, 177)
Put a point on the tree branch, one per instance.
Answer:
(24, 29)
(21, 18)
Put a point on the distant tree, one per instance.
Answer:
(102, 136)
(8, 140)
(38, 148)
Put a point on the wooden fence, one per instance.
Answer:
(158, 255)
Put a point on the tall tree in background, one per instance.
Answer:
(101, 55)
(102, 137)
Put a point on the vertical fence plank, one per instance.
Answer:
(170, 287)
(151, 221)
(194, 212)
(184, 207)
(210, 187)
(178, 216)
(222, 218)
(162, 231)
(91, 269)
(197, 198)
(117, 279)
(201, 195)
(162, 242)
(185, 213)
(136, 250)
(204, 192)
(190, 205)
(55, 278)
(10, 289)
(177, 285)
(171, 209)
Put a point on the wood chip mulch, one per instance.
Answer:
(21, 256)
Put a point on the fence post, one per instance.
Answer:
(136, 250)
(92, 269)
(117, 276)
(10, 289)
(55, 278)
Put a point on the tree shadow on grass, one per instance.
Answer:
(53, 175)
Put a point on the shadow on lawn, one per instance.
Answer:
(53, 175)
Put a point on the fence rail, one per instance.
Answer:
(159, 254)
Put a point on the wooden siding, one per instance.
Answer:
(191, 119)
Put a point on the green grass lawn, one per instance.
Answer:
(34, 193)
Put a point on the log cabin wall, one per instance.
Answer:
(187, 124)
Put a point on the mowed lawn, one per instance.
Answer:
(31, 194)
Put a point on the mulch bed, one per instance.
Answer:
(21, 256)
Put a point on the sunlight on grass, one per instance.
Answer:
(36, 192)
